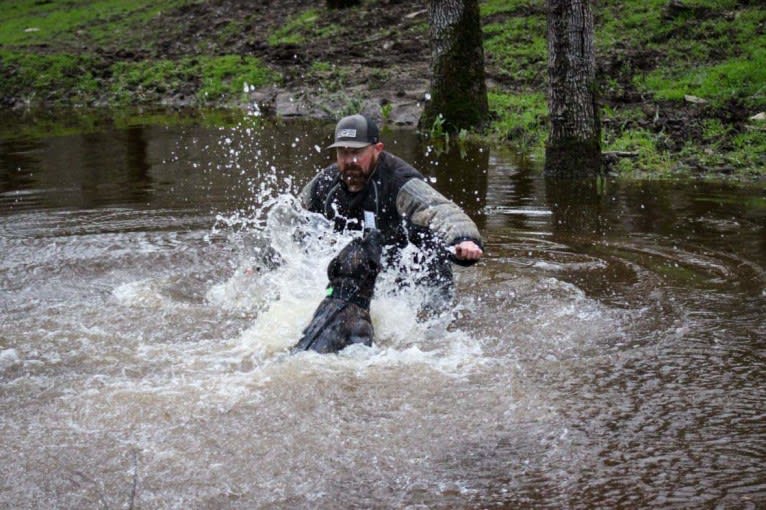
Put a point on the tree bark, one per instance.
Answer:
(573, 148)
(341, 4)
(458, 91)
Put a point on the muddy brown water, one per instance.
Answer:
(608, 352)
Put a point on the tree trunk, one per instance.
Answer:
(574, 141)
(341, 4)
(458, 90)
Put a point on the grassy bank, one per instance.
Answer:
(679, 85)
(680, 81)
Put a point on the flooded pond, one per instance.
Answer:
(608, 352)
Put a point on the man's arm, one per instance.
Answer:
(426, 207)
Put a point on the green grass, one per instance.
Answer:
(617, 21)
(518, 48)
(49, 76)
(715, 50)
(520, 118)
(741, 154)
(329, 77)
(750, 148)
(226, 76)
(319, 66)
(743, 79)
(296, 29)
(719, 59)
(220, 77)
(33, 22)
(651, 158)
(138, 79)
(492, 7)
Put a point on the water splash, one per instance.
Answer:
(282, 278)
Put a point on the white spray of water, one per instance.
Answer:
(286, 296)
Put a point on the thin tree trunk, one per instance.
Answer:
(574, 142)
(458, 91)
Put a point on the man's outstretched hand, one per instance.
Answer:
(468, 250)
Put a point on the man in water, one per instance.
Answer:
(366, 178)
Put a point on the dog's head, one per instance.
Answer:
(355, 269)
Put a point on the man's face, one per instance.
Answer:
(356, 165)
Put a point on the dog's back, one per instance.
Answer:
(343, 317)
(336, 324)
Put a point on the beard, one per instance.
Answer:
(353, 177)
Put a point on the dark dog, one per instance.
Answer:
(343, 317)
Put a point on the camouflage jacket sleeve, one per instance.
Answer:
(425, 207)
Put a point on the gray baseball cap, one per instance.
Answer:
(355, 131)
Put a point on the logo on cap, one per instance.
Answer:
(350, 133)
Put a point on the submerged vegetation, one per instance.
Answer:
(682, 81)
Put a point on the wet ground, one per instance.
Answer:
(607, 352)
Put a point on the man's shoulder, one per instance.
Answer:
(399, 169)
(319, 186)
(329, 170)
(328, 175)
